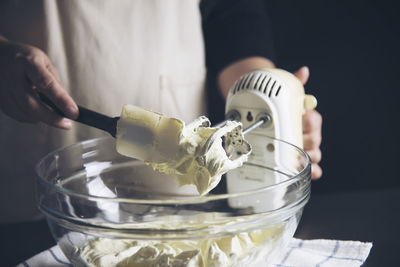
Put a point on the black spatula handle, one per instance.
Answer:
(87, 117)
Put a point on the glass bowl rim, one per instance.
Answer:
(181, 200)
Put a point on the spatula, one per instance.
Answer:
(87, 117)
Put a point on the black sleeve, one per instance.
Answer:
(232, 29)
(235, 29)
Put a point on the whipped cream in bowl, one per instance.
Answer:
(106, 209)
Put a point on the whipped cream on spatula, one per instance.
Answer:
(195, 154)
(192, 154)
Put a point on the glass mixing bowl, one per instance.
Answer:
(104, 209)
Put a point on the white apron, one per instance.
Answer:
(144, 52)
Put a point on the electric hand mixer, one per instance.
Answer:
(269, 103)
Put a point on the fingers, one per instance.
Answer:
(315, 155)
(316, 171)
(47, 82)
(311, 141)
(24, 108)
(40, 112)
(48, 116)
(312, 125)
(54, 71)
(303, 74)
(312, 137)
(33, 110)
(312, 121)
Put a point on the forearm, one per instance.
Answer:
(232, 48)
(227, 77)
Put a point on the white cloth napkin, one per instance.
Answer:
(323, 253)
(299, 253)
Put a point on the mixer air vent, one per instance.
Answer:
(277, 91)
(259, 81)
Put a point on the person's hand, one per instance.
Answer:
(312, 124)
(24, 71)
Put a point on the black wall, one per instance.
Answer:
(353, 51)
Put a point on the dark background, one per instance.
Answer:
(352, 50)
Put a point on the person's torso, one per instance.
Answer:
(108, 53)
